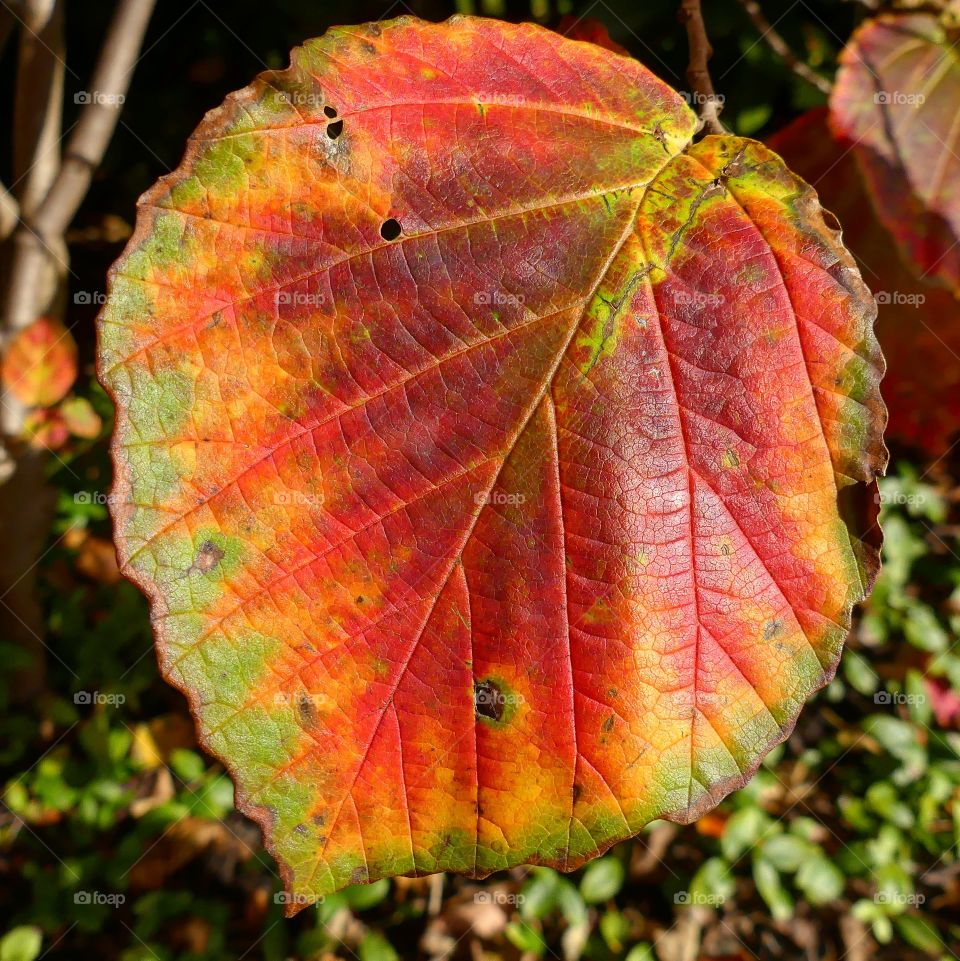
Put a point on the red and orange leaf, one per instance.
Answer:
(918, 323)
(897, 100)
(40, 365)
(490, 453)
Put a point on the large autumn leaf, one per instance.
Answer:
(491, 454)
(918, 322)
(897, 100)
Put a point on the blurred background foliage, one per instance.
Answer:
(118, 837)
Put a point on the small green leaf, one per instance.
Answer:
(187, 765)
(21, 944)
(884, 798)
(750, 120)
(858, 672)
(361, 897)
(820, 880)
(540, 893)
(786, 852)
(923, 629)
(771, 889)
(919, 933)
(742, 832)
(712, 884)
(375, 947)
(601, 880)
(614, 929)
(525, 937)
(571, 903)
(900, 739)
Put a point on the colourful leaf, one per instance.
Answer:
(897, 100)
(45, 429)
(494, 458)
(80, 417)
(918, 323)
(40, 365)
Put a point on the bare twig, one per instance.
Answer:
(9, 213)
(26, 500)
(89, 139)
(708, 104)
(38, 120)
(780, 46)
(38, 102)
(39, 237)
(49, 193)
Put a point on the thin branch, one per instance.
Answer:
(37, 121)
(38, 241)
(780, 47)
(43, 224)
(89, 140)
(38, 103)
(9, 213)
(708, 104)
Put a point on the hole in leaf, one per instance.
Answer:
(331, 112)
(390, 229)
(488, 700)
(334, 129)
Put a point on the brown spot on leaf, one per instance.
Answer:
(608, 725)
(771, 629)
(208, 557)
(305, 708)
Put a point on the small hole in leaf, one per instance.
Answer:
(390, 229)
(334, 129)
(488, 700)
(331, 112)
